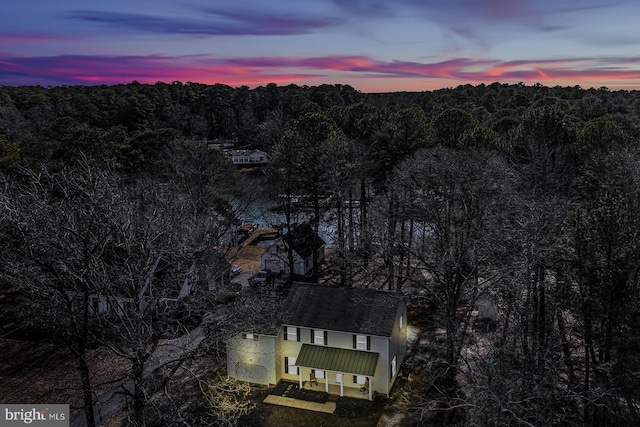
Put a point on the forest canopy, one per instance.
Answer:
(527, 195)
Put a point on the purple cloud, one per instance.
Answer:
(102, 69)
(220, 23)
(105, 69)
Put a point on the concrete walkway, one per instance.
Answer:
(328, 407)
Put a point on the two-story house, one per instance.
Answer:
(340, 339)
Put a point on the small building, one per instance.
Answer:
(338, 339)
(209, 271)
(246, 157)
(304, 242)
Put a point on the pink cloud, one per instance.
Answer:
(358, 71)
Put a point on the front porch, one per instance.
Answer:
(313, 397)
(330, 370)
(334, 390)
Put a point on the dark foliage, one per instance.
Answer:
(524, 195)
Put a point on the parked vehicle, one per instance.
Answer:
(263, 277)
(485, 324)
(283, 279)
(235, 270)
(283, 283)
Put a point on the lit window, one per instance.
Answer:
(338, 378)
(318, 337)
(319, 374)
(401, 321)
(360, 379)
(292, 368)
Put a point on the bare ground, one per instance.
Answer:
(32, 372)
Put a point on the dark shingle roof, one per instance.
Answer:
(304, 240)
(361, 311)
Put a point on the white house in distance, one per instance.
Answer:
(246, 157)
(209, 271)
(304, 241)
(338, 339)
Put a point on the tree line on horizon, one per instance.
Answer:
(525, 194)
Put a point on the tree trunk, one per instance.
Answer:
(138, 391)
(87, 393)
(316, 228)
(351, 231)
(341, 242)
(79, 348)
(566, 350)
(541, 331)
(399, 273)
(391, 241)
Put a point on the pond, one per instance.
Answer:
(257, 208)
(265, 242)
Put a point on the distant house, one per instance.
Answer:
(246, 157)
(304, 241)
(345, 341)
(119, 305)
(207, 273)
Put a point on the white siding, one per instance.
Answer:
(252, 360)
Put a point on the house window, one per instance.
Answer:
(291, 334)
(401, 321)
(359, 379)
(362, 342)
(338, 378)
(394, 367)
(290, 366)
(319, 374)
(318, 337)
(95, 305)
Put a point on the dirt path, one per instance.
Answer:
(248, 258)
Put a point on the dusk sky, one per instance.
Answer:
(372, 45)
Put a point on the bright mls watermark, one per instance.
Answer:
(34, 415)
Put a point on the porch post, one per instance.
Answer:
(326, 381)
(300, 376)
(341, 384)
(370, 386)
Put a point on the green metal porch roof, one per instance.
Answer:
(337, 359)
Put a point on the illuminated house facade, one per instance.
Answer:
(340, 339)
